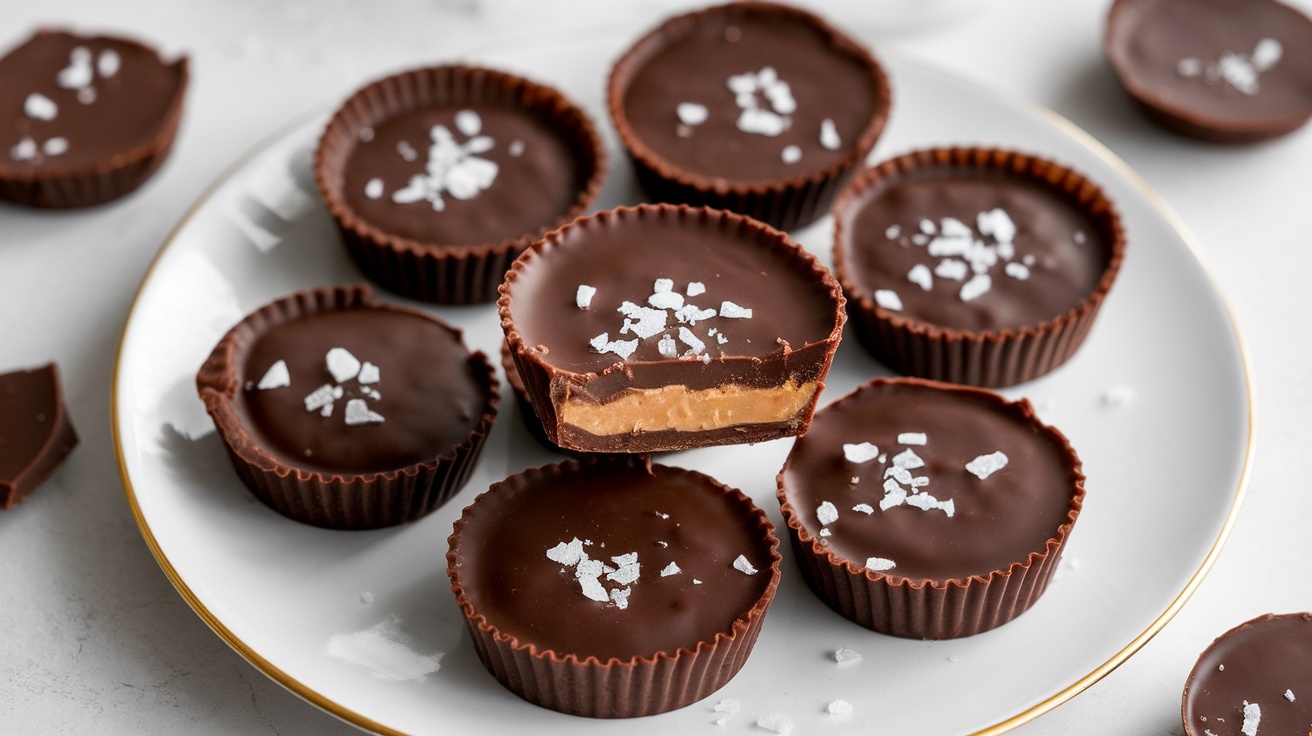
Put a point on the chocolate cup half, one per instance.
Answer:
(337, 499)
(1147, 41)
(35, 431)
(623, 683)
(916, 606)
(786, 201)
(130, 147)
(429, 268)
(993, 356)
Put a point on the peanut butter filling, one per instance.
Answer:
(682, 409)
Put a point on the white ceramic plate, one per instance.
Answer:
(1158, 402)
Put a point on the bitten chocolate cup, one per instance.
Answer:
(344, 412)
(1224, 71)
(438, 177)
(752, 107)
(1254, 679)
(667, 327)
(975, 265)
(84, 120)
(612, 588)
(927, 510)
(36, 433)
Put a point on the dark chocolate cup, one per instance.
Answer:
(57, 443)
(932, 609)
(334, 501)
(543, 382)
(437, 272)
(118, 174)
(641, 685)
(1179, 117)
(786, 203)
(978, 358)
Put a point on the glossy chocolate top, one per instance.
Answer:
(75, 101)
(970, 249)
(30, 405)
(920, 502)
(750, 93)
(1257, 675)
(468, 174)
(1223, 65)
(689, 282)
(511, 557)
(365, 390)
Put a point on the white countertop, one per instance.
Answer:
(94, 639)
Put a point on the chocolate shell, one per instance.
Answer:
(85, 119)
(35, 432)
(927, 510)
(974, 265)
(665, 327)
(439, 177)
(344, 412)
(1255, 678)
(1225, 71)
(611, 588)
(752, 107)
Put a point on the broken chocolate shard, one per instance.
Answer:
(35, 432)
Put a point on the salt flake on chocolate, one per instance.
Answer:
(695, 288)
(24, 150)
(695, 345)
(976, 287)
(644, 322)
(829, 138)
(369, 373)
(888, 299)
(729, 310)
(627, 570)
(373, 189)
(322, 397)
(276, 377)
(665, 300)
(880, 564)
(567, 553)
(342, 364)
(620, 597)
(909, 460)
(358, 412)
(912, 438)
(583, 296)
(667, 347)
(826, 513)
(951, 268)
(1289, 695)
(790, 154)
(997, 223)
(862, 452)
(921, 276)
(864, 508)
(40, 107)
(108, 63)
(670, 569)
(741, 564)
(468, 122)
(986, 465)
(1252, 717)
(691, 113)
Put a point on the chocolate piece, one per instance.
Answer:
(975, 266)
(35, 432)
(439, 177)
(705, 328)
(959, 495)
(613, 589)
(344, 412)
(85, 119)
(753, 107)
(1254, 679)
(1229, 71)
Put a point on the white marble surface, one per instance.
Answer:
(94, 639)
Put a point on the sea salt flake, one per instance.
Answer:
(829, 138)
(691, 113)
(954, 228)
(583, 296)
(840, 708)
(861, 452)
(55, 146)
(928, 227)
(407, 151)
(692, 341)
(899, 474)
(894, 495)
(1238, 71)
(468, 122)
(998, 223)
(413, 191)
(325, 412)
(927, 502)
(479, 144)
(358, 412)
(847, 657)
(276, 377)
(342, 364)
(691, 314)
(790, 154)
(1267, 52)
(373, 189)
(777, 722)
(880, 564)
(824, 531)
(908, 459)
(720, 339)
(567, 553)
(78, 73)
(919, 239)
(951, 268)
(912, 438)
(1189, 67)
(108, 64)
(888, 299)
(826, 513)
(620, 597)
(762, 122)
(516, 148)
(627, 569)
(741, 564)
(369, 373)
(729, 310)
(592, 587)
(649, 322)
(921, 276)
(864, 508)
(1289, 695)
(667, 347)
(24, 150)
(986, 465)
(40, 107)
(319, 398)
(1252, 717)
(695, 288)
(670, 569)
(1018, 271)
(666, 300)
(977, 286)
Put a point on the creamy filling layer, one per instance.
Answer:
(681, 409)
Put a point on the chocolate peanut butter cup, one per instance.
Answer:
(612, 588)
(665, 327)
(35, 431)
(341, 411)
(1227, 71)
(438, 177)
(927, 510)
(1255, 679)
(84, 119)
(753, 107)
(975, 265)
